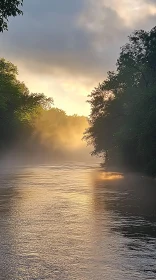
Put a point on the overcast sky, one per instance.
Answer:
(65, 47)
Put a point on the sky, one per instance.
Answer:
(64, 48)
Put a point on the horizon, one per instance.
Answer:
(67, 52)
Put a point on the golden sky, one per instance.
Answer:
(65, 48)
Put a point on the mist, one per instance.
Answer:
(61, 135)
(54, 137)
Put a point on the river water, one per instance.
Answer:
(72, 221)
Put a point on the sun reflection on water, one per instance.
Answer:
(104, 176)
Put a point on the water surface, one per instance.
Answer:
(72, 221)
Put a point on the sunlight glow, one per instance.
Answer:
(104, 176)
(68, 95)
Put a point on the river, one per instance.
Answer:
(72, 221)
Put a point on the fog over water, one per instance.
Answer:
(65, 215)
(55, 137)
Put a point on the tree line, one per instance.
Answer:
(123, 108)
(122, 123)
(30, 124)
(18, 107)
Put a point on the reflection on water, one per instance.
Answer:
(131, 203)
(70, 222)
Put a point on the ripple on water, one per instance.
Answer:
(73, 222)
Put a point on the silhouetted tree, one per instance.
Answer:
(18, 107)
(9, 8)
(123, 107)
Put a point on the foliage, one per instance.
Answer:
(123, 107)
(18, 107)
(9, 8)
(30, 127)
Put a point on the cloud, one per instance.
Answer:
(50, 38)
(73, 42)
(109, 23)
(132, 11)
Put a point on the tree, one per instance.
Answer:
(123, 107)
(9, 8)
(18, 107)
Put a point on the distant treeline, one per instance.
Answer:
(123, 108)
(29, 125)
